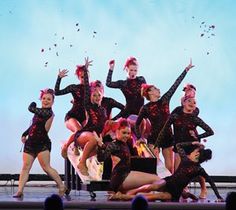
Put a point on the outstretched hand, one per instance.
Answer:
(189, 66)
(112, 65)
(87, 62)
(62, 73)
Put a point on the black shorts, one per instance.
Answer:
(79, 115)
(34, 148)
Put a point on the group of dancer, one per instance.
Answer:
(97, 132)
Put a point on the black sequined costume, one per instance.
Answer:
(109, 104)
(183, 123)
(38, 139)
(96, 114)
(186, 171)
(158, 112)
(131, 88)
(77, 111)
(121, 150)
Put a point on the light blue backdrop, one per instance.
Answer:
(163, 35)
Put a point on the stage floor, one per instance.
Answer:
(35, 195)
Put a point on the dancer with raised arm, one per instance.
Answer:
(158, 111)
(185, 123)
(75, 119)
(131, 87)
(96, 119)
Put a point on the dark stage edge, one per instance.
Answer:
(80, 200)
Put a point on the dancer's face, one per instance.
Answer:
(154, 92)
(132, 71)
(47, 100)
(81, 77)
(123, 134)
(96, 97)
(194, 156)
(190, 104)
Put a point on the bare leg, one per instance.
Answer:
(202, 183)
(136, 179)
(24, 175)
(177, 161)
(164, 196)
(169, 158)
(44, 161)
(73, 125)
(154, 186)
(66, 145)
(89, 144)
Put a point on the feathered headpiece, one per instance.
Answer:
(79, 69)
(130, 61)
(46, 91)
(189, 92)
(97, 85)
(144, 90)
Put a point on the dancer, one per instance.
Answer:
(75, 119)
(37, 143)
(185, 125)
(157, 111)
(123, 178)
(170, 188)
(189, 91)
(96, 119)
(108, 103)
(131, 87)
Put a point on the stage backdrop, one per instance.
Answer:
(39, 37)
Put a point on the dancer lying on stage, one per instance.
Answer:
(37, 143)
(131, 87)
(170, 188)
(122, 178)
(75, 119)
(157, 111)
(185, 123)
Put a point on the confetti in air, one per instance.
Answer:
(207, 30)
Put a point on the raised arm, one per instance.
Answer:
(109, 82)
(167, 96)
(66, 90)
(87, 92)
(44, 112)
